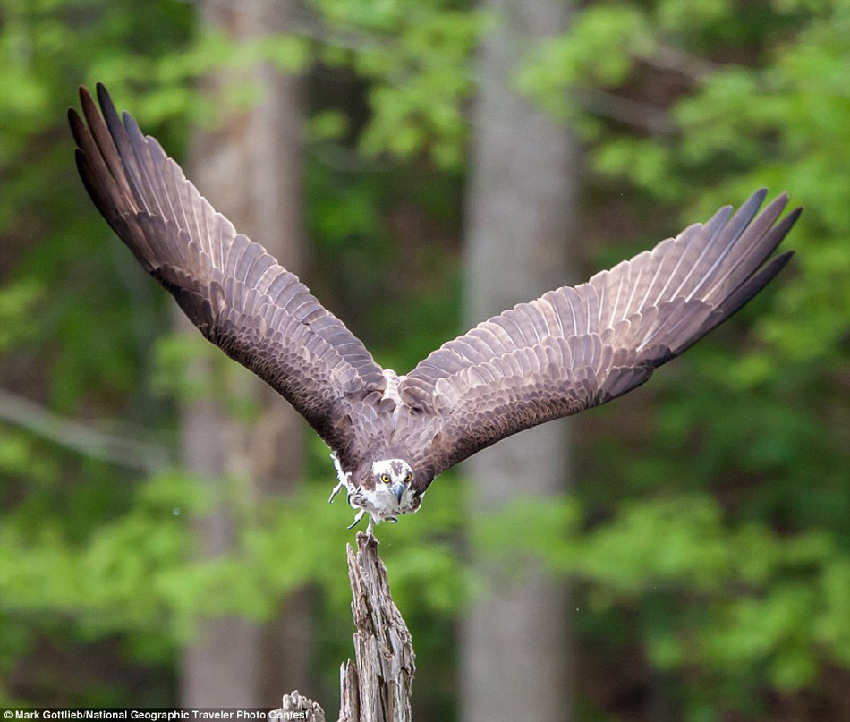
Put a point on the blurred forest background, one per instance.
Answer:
(164, 536)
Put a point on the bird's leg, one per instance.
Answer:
(357, 517)
(335, 491)
(342, 477)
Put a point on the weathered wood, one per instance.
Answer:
(377, 686)
(349, 699)
(297, 707)
(383, 646)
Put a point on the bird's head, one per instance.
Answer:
(386, 489)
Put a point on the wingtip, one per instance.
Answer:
(105, 101)
(89, 107)
(782, 260)
(80, 159)
(795, 214)
(76, 123)
(749, 288)
(778, 203)
(782, 228)
(130, 124)
(760, 193)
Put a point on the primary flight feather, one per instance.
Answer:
(390, 436)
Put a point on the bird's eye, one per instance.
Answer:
(385, 478)
(408, 478)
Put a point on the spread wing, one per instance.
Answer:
(237, 295)
(577, 347)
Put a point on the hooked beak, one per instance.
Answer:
(398, 490)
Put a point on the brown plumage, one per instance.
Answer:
(569, 350)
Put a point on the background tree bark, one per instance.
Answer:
(520, 210)
(249, 168)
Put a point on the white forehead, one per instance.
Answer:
(395, 468)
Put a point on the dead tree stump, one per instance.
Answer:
(377, 685)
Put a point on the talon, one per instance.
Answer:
(391, 519)
(357, 519)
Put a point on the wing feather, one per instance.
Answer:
(235, 292)
(577, 347)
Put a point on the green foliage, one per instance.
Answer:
(158, 588)
(415, 57)
(611, 37)
(751, 553)
(735, 601)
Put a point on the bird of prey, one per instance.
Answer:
(571, 349)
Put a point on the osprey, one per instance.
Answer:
(390, 436)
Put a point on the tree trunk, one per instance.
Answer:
(377, 686)
(250, 170)
(520, 210)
